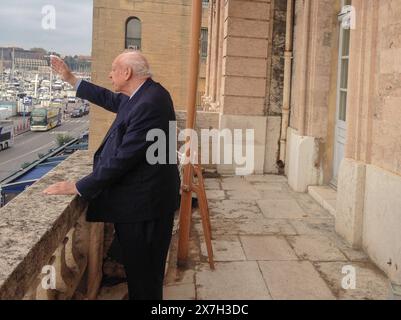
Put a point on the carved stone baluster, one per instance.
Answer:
(62, 272)
(81, 242)
(44, 286)
(70, 259)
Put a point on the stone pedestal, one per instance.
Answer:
(301, 161)
(350, 201)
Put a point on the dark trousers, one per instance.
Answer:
(144, 247)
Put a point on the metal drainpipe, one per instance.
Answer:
(302, 105)
(287, 78)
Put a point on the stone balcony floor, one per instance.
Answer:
(269, 243)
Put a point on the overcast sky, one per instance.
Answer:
(21, 25)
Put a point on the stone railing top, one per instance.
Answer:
(32, 225)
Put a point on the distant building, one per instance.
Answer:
(23, 59)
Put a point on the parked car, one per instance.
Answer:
(77, 113)
(85, 108)
(71, 100)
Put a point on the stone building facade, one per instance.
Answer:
(343, 128)
(344, 118)
(317, 80)
(244, 73)
(161, 30)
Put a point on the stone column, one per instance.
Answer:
(246, 57)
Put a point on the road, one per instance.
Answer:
(28, 145)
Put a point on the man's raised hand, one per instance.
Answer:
(60, 67)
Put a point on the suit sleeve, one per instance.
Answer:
(131, 151)
(100, 96)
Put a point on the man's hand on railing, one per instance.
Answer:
(61, 188)
(60, 67)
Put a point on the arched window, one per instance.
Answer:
(133, 34)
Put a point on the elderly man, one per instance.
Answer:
(124, 189)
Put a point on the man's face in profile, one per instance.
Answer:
(117, 76)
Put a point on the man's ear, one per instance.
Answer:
(128, 74)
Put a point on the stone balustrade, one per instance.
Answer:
(45, 242)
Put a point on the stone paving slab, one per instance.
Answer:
(275, 195)
(248, 194)
(212, 184)
(257, 226)
(231, 281)
(313, 226)
(235, 183)
(281, 209)
(316, 248)
(215, 194)
(346, 249)
(294, 280)
(272, 187)
(179, 276)
(271, 248)
(225, 248)
(234, 209)
(371, 284)
(184, 291)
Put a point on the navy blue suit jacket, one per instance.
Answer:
(124, 187)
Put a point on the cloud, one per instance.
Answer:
(21, 25)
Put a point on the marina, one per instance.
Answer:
(35, 107)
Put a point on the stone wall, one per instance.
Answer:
(369, 197)
(314, 40)
(246, 57)
(39, 231)
(313, 93)
(385, 134)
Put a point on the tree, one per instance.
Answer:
(25, 165)
(63, 139)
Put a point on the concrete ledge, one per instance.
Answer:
(32, 227)
(325, 196)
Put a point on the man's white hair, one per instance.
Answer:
(137, 62)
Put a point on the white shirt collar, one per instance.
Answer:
(137, 90)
